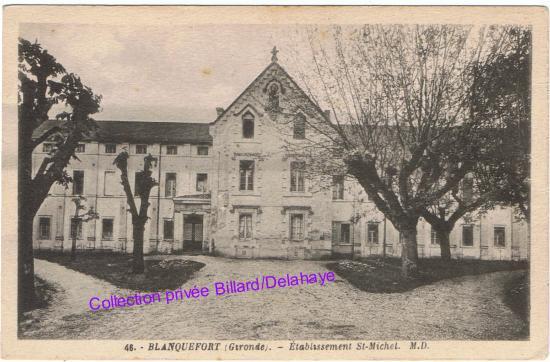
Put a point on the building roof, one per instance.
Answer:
(142, 132)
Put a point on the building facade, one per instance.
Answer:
(229, 188)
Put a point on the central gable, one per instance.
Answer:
(274, 93)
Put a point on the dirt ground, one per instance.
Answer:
(468, 308)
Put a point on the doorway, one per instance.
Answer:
(192, 232)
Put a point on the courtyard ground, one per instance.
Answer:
(115, 268)
(373, 274)
(469, 307)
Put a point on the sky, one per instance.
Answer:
(166, 73)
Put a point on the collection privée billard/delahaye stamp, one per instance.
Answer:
(273, 182)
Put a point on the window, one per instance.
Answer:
(172, 150)
(170, 185)
(296, 227)
(111, 186)
(80, 148)
(47, 147)
(337, 187)
(107, 229)
(78, 182)
(76, 228)
(110, 148)
(141, 149)
(372, 233)
(202, 180)
(202, 150)
(248, 125)
(300, 127)
(500, 236)
(341, 232)
(245, 226)
(434, 238)
(168, 229)
(44, 228)
(246, 171)
(467, 235)
(297, 169)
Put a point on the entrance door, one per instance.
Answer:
(192, 232)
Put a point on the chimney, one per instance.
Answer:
(219, 110)
(327, 114)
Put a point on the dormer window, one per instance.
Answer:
(248, 125)
(141, 149)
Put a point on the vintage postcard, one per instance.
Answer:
(271, 182)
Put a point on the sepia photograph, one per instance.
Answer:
(281, 187)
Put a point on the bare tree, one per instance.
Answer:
(143, 185)
(506, 98)
(501, 98)
(400, 96)
(43, 82)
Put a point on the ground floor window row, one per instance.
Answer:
(342, 232)
(106, 224)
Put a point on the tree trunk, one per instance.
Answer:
(409, 252)
(73, 249)
(26, 210)
(138, 265)
(444, 244)
(26, 294)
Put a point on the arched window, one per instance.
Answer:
(300, 127)
(248, 125)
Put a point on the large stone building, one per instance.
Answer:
(227, 187)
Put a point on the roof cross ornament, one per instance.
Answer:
(274, 54)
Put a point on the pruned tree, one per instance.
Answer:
(143, 184)
(78, 218)
(400, 96)
(43, 83)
